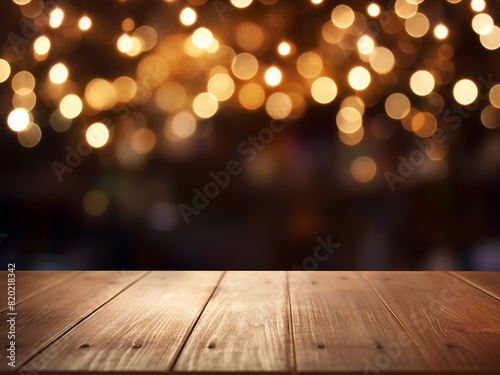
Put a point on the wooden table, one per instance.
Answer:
(259, 321)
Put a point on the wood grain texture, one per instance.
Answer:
(41, 319)
(455, 326)
(488, 282)
(340, 324)
(31, 283)
(245, 327)
(142, 329)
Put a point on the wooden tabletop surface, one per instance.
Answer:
(254, 321)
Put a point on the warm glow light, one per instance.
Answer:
(205, 105)
(397, 106)
(348, 120)
(373, 10)
(422, 82)
(4, 70)
(249, 36)
(202, 37)
(188, 16)
(21, 2)
(284, 49)
(142, 140)
(41, 45)
(363, 169)
(124, 43)
(366, 45)
(423, 124)
(405, 9)
(97, 135)
(27, 101)
(482, 23)
(494, 96)
(245, 66)
(241, 3)
(491, 41)
(183, 125)
(279, 105)
(221, 86)
(316, 1)
(382, 60)
(18, 119)
(56, 18)
(85, 23)
(70, 106)
(359, 78)
(30, 136)
(23, 83)
(252, 96)
(342, 16)
(417, 26)
(324, 90)
(125, 88)
(465, 91)
(273, 76)
(58, 73)
(309, 65)
(100, 94)
(441, 31)
(478, 5)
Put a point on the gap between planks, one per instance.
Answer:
(21, 367)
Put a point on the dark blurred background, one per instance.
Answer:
(118, 206)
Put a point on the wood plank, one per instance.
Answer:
(41, 319)
(142, 329)
(31, 283)
(455, 326)
(488, 282)
(245, 327)
(340, 324)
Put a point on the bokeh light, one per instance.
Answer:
(324, 90)
(56, 18)
(71, 106)
(279, 105)
(188, 16)
(397, 106)
(284, 49)
(205, 105)
(221, 86)
(4, 70)
(465, 91)
(58, 73)
(41, 45)
(202, 37)
(342, 16)
(18, 119)
(97, 135)
(30, 136)
(422, 82)
(252, 96)
(245, 66)
(85, 23)
(441, 31)
(359, 78)
(273, 76)
(373, 10)
(363, 169)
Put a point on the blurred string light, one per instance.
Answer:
(192, 73)
(188, 16)
(85, 23)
